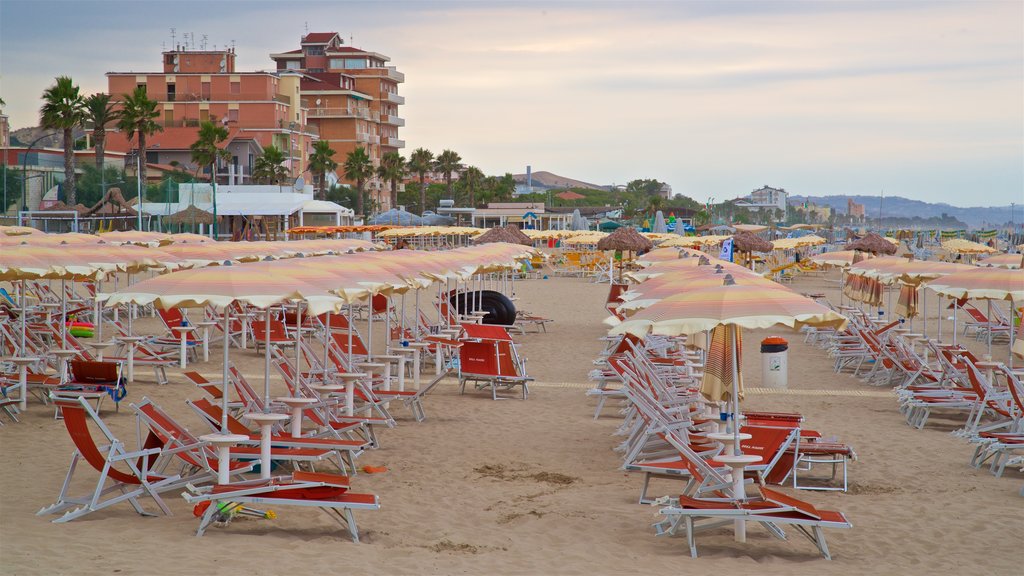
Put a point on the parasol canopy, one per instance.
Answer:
(872, 243)
(510, 234)
(1004, 261)
(983, 283)
(962, 246)
(747, 242)
(190, 215)
(625, 238)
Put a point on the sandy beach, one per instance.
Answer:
(534, 487)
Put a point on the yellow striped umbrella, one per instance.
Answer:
(792, 243)
(644, 296)
(1004, 261)
(136, 237)
(20, 231)
(840, 258)
(962, 246)
(983, 283)
(694, 241)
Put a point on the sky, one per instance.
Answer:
(917, 99)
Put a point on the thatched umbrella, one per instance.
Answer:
(190, 215)
(874, 244)
(626, 239)
(509, 234)
(746, 243)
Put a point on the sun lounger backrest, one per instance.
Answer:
(214, 414)
(94, 373)
(766, 441)
(784, 500)
(341, 339)
(76, 415)
(171, 317)
(486, 332)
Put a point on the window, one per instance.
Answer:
(337, 62)
(232, 115)
(141, 85)
(204, 90)
(292, 65)
(171, 92)
(236, 87)
(204, 115)
(355, 63)
(315, 51)
(315, 70)
(169, 117)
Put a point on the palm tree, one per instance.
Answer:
(269, 166)
(100, 112)
(358, 168)
(392, 169)
(321, 162)
(506, 188)
(420, 162)
(138, 117)
(63, 110)
(205, 152)
(655, 203)
(472, 178)
(448, 162)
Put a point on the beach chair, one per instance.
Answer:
(329, 492)
(771, 509)
(488, 358)
(110, 460)
(277, 336)
(92, 380)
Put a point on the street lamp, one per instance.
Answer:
(24, 168)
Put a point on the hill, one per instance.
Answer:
(899, 207)
(544, 179)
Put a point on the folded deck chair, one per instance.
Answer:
(771, 509)
(488, 358)
(329, 492)
(109, 460)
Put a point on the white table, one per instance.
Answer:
(417, 360)
(62, 362)
(265, 420)
(350, 378)
(132, 342)
(100, 347)
(206, 325)
(223, 444)
(296, 403)
(183, 332)
(23, 362)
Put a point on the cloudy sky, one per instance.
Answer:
(919, 99)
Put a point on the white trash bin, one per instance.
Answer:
(774, 362)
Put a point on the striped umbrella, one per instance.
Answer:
(963, 246)
(984, 284)
(840, 258)
(1004, 261)
(732, 305)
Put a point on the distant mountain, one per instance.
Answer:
(545, 179)
(25, 136)
(897, 206)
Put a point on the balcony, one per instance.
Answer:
(335, 113)
(373, 139)
(362, 137)
(394, 142)
(394, 74)
(395, 98)
(283, 99)
(392, 120)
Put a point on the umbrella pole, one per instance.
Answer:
(298, 338)
(369, 329)
(989, 331)
(99, 312)
(266, 361)
(24, 312)
(939, 337)
(387, 325)
(224, 375)
(924, 309)
(956, 306)
(416, 315)
(401, 334)
(842, 284)
(735, 396)
(350, 322)
(64, 316)
(327, 341)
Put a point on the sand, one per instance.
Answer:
(533, 487)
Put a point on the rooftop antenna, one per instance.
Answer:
(173, 37)
(307, 26)
(202, 44)
(232, 46)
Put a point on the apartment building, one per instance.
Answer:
(351, 96)
(259, 109)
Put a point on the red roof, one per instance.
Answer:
(348, 49)
(297, 51)
(318, 37)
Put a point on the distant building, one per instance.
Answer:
(352, 97)
(854, 210)
(666, 191)
(259, 109)
(522, 214)
(5, 131)
(766, 198)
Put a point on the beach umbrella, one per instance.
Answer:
(872, 243)
(964, 246)
(510, 234)
(839, 259)
(729, 304)
(659, 226)
(625, 239)
(984, 284)
(1003, 261)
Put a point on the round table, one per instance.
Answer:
(350, 378)
(265, 420)
(23, 362)
(223, 444)
(132, 342)
(296, 403)
(62, 359)
(206, 325)
(183, 332)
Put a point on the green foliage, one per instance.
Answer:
(268, 167)
(358, 168)
(99, 112)
(420, 162)
(10, 181)
(644, 186)
(63, 109)
(392, 170)
(138, 119)
(206, 150)
(322, 161)
(447, 163)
